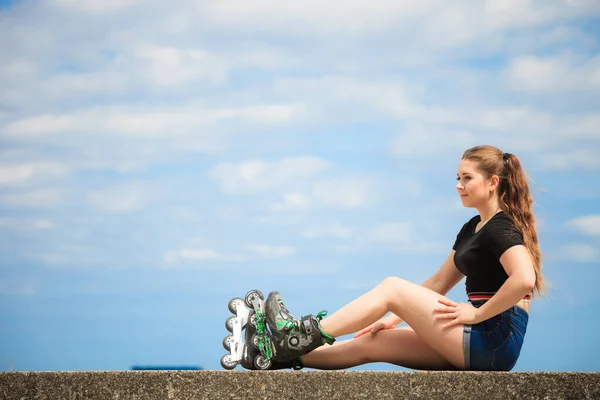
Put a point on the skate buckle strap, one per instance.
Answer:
(306, 321)
(307, 324)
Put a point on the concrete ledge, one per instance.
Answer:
(307, 384)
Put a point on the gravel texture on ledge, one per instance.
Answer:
(306, 384)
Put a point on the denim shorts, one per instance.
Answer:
(495, 344)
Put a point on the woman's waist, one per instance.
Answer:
(478, 298)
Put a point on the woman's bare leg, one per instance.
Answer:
(400, 346)
(411, 302)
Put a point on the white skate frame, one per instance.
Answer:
(239, 322)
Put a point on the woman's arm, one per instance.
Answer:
(445, 278)
(521, 280)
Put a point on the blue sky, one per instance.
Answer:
(157, 160)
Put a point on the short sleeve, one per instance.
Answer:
(460, 236)
(502, 234)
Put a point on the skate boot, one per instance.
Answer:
(251, 356)
(257, 351)
(291, 337)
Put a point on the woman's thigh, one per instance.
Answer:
(415, 304)
(401, 346)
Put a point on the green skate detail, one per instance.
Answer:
(328, 338)
(284, 325)
(264, 341)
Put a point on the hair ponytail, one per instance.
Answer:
(514, 197)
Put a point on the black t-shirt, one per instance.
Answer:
(478, 254)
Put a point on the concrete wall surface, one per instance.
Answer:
(288, 385)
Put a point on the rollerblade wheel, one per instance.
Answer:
(227, 362)
(227, 342)
(229, 323)
(251, 295)
(261, 363)
(254, 341)
(252, 319)
(234, 304)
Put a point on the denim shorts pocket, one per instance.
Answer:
(516, 327)
(505, 356)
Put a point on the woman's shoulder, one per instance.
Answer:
(470, 225)
(502, 219)
(502, 223)
(473, 221)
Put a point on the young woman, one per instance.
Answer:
(497, 251)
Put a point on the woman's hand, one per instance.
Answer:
(462, 313)
(377, 326)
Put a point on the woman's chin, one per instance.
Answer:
(465, 202)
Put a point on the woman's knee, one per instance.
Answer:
(394, 289)
(393, 282)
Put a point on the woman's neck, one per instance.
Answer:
(487, 211)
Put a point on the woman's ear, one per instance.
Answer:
(494, 182)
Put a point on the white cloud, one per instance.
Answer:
(432, 23)
(584, 126)
(23, 172)
(190, 254)
(579, 253)
(305, 268)
(204, 257)
(66, 254)
(42, 198)
(587, 225)
(168, 122)
(207, 257)
(345, 192)
(260, 175)
(389, 233)
(95, 7)
(269, 251)
(576, 159)
(554, 73)
(421, 141)
(293, 201)
(337, 231)
(26, 223)
(170, 66)
(17, 289)
(120, 199)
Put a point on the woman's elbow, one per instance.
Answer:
(528, 282)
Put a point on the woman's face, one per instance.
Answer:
(473, 188)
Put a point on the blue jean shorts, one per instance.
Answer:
(495, 344)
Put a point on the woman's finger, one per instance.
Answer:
(361, 332)
(447, 302)
(445, 309)
(447, 316)
(452, 323)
